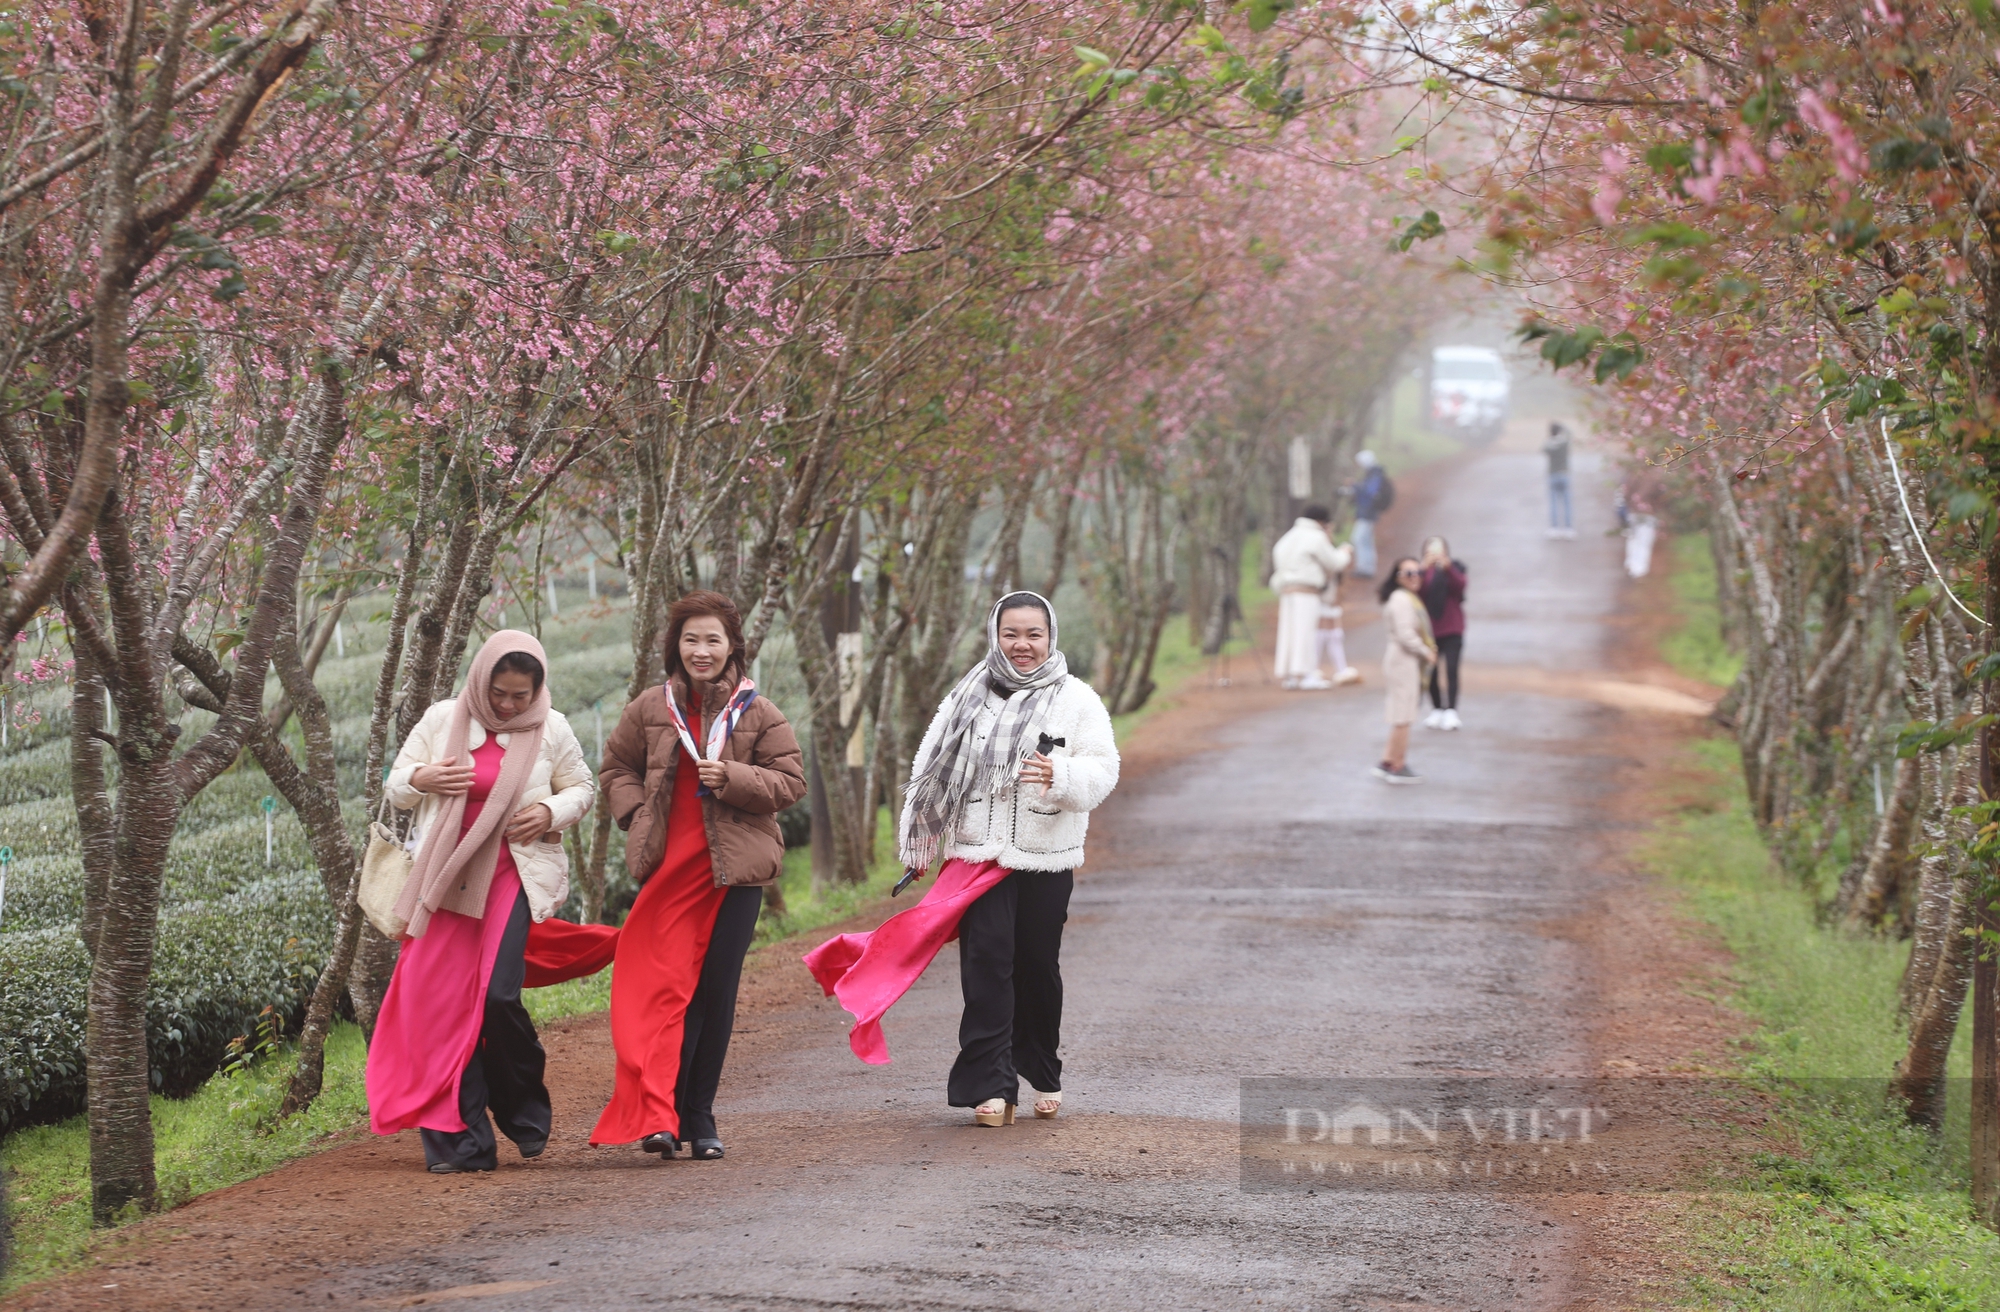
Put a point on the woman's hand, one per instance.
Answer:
(1038, 769)
(713, 773)
(447, 778)
(530, 823)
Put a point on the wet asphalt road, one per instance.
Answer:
(1264, 908)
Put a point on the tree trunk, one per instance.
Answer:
(369, 975)
(1881, 876)
(90, 791)
(1940, 956)
(120, 1097)
(590, 882)
(1985, 1129)
(315, 795)
(154, 787)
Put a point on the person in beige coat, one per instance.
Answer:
(561, 781)
(1408, 654)
(494, 775)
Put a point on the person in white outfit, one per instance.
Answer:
(1333, 637)
(1303, 563)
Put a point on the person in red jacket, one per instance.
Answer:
(1443, 591)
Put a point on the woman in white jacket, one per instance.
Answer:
(495, 776)
(1018, 756)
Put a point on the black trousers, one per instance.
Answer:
(505, 1073)
(1010, 968)
(1449, 647)
(711, 1013)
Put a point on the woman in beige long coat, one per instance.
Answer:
(1410, 652)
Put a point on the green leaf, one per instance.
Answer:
(1420, 229)
(1208, 37)
(1927, 736)
(1095, 59)
(1870, 394)
(1674, 236)
(1854, 235)
(1562, 350)
(230, 288)
(1619, 358)
(1670, 157)
(226, 640)
(1263, 13)
(1903, 155)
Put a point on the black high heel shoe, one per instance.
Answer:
(662, 1143)
(706, 1150)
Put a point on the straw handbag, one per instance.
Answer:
(385, 868)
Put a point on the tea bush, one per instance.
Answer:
(219, 963)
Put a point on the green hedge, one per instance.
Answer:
(219, 963)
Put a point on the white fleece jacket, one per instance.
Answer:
(1029, 827)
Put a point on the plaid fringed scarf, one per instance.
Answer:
(944, 779)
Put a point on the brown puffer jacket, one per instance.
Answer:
(766, 775)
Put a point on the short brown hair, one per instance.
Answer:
(692, 606)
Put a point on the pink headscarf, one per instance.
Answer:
(454, 874)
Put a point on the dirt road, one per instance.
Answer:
(1262, 907)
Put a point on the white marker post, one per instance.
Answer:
(270, 805)
(554, 608)
(339, 642)
(593, 580)
(6, 860)
(597, 714)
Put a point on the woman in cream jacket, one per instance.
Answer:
(495, 775)
(1410, 651)
(562, 780)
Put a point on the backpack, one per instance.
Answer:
(1385, 496)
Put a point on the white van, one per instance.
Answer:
(1468, 392)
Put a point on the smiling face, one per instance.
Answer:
(1024, 637)
(510, 693)
(1409, 575)
(704, 647)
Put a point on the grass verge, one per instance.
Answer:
(1852, 1208)
(1856, 1209)
(1696, 647)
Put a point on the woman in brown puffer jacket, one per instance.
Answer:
(695, 773)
